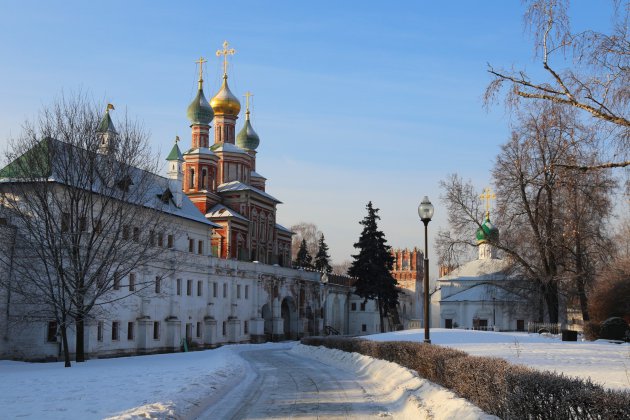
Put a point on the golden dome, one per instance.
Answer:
(224, 102)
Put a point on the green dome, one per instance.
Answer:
(199, 110)
(487, 232)
(247, 138)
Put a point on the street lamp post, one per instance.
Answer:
(425, 211)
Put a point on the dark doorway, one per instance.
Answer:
(448, 323)
(188, 333)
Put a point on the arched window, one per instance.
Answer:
(192, 178)
(254, 224)
(263, 227)
(204, 178)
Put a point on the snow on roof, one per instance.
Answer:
(187, 210)
(482, 292)
(148, 191)
(255, 174)
(200, 151)
(220, 210)
(239, 186)
(483, 269)
(227, 147)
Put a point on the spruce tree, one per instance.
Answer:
(322, 259)
(371, 266)
(303, 258)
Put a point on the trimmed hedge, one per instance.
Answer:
(492, 384)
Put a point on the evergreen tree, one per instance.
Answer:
(322, 259)
(372, 265)
(303, 259)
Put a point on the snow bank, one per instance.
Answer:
(408, 396)
(158, 386)
(605, 363)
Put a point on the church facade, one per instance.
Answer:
(224, 273)
(481, 294)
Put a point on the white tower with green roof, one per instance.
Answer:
(175, 173)
(107, 134)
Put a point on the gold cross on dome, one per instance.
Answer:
(200, 62)
(247, 96)
(488, 195)
(225, 52)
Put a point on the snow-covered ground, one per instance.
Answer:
(184, 385)
(187, 385)
(156, 386)
(605, 363)
(406, 395)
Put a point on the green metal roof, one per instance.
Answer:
(33, 164)
(106, 125)
(199, 111)
(487, 231)
(247, 138)
(175, 154)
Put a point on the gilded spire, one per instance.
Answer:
(225, 52)
(247, 96)
(224, 102)
(488, 195)
(200, 62)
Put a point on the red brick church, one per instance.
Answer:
(220, 178)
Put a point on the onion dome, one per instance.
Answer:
(487, 231)
(199, 111)
(247, 138)
(224, 102)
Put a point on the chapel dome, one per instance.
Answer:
(224, 102)
(487, 231)
(199, 111)
(247, 138)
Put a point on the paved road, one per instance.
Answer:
(283, 385)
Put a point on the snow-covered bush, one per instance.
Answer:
(494, 385)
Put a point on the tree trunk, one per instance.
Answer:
(552, 302)
(64, 341)
(80, 346)
(581, 280)
(583, 298)
(380, 315)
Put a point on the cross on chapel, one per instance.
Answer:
(225, 52)
(200, 62)
(247, 96)
(488, 195)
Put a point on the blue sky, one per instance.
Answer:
(353, 101)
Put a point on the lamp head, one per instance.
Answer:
(425, 210)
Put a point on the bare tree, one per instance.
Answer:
(596, 81)
(341, 268)
(552, 223)
(310, 233)
(465, 214)
(87, 210)
(539, 200)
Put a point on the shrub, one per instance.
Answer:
(611, 293)
(494, 385)
(613, 328)
(591, 330)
